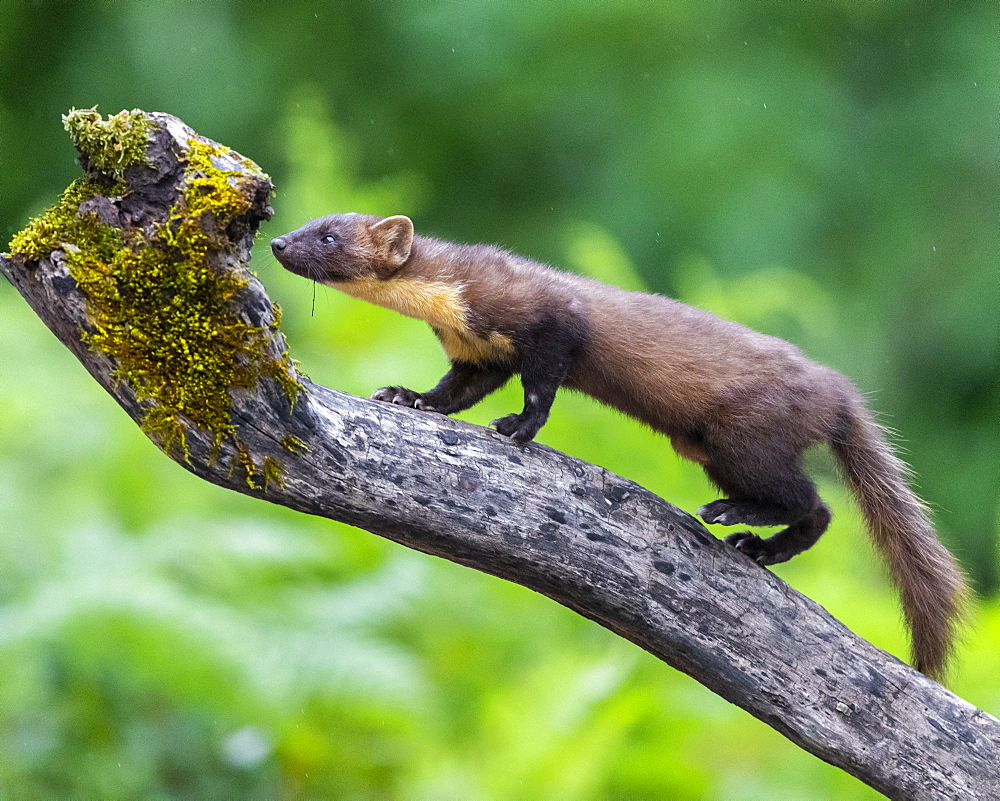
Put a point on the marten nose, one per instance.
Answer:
(277, 245)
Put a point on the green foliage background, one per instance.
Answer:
(823, 171)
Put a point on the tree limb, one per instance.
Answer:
(592, 541)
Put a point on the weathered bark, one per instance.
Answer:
(595, 542)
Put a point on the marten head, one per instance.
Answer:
(344, 247)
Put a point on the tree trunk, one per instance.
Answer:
(590, 540)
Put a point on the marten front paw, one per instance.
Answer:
(402, 396)
(516, 427)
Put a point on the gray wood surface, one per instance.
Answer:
(590, 540)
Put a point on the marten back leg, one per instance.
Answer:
(768, 488)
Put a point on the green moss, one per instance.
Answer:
(61, 225)
(110, 145)
(158, 307)
(209, 191)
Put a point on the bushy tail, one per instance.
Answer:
(931, 585)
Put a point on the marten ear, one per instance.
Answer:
(393, 237)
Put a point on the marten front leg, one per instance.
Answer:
(540, 385)
(545, 364)
(464, 385)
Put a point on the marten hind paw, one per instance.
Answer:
(750, 544)
(763, 552)
(401, 396)
(724, 512)
(729, 512)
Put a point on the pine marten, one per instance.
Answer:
(743, 405)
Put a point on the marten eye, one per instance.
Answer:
(328, 239)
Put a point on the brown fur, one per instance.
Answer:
(744, 405)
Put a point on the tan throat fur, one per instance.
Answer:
(438, 303)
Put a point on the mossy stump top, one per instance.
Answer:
(155, 237)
